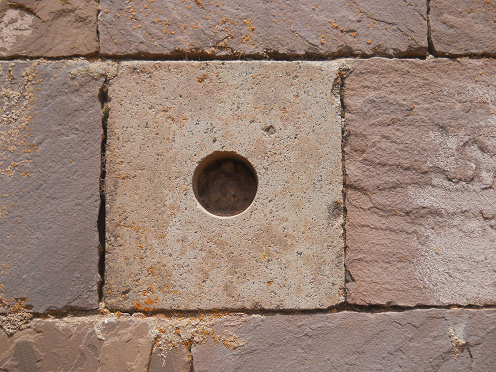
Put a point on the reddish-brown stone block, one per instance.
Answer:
(420, 180)
(419, 340)
(92, 343)
(461, 27)
(48, 28)
(50, 145)
(261, 28)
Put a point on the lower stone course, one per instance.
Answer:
(414, 340)
(95, 343)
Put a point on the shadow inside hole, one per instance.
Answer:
(225, 184)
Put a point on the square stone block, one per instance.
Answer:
(164, 249)
(420, 179)
(50, 156)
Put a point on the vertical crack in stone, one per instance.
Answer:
(344, 72)
(430, 44)
(191, 365)
(151, 355)
(98, 10)
(103, 97)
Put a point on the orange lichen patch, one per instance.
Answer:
(202, 79)
(138, 306)
(151, 301)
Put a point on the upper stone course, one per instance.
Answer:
(261, 28)
(51, 28)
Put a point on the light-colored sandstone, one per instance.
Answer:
(164, 251)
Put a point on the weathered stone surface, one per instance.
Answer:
(93, 343)
(420, 178)
(175, 360)
(418, 340)
(461, 27)
(260, 28)
(164, 251)
(50, 142)
(48, 28)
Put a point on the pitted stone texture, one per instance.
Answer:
(421, 198)
(261, 28)
(48, 28)
(50, 144)
(91, 343)
(418, 340)
(461, 27)
(164, 251)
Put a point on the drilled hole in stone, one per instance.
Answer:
(225, 183)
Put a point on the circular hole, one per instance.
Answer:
(225, 183)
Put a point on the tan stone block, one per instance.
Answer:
(164, 251)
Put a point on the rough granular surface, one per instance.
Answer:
(164, 250)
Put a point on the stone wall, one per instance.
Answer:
(192, 185)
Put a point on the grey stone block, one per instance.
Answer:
(50, 142)
(164, 250)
